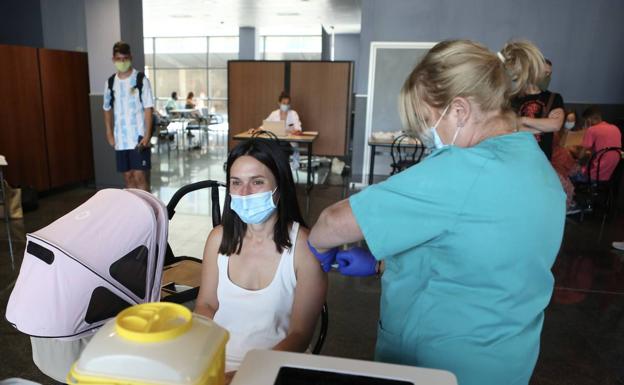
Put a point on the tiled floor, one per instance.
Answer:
(582, 340)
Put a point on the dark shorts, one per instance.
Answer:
(133, 160)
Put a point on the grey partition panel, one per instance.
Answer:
(392, 66)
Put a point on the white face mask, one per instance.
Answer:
(433, 132)
(569, 125)
(284, 107)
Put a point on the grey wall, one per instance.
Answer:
(106, 174)
(584, 39)
(63, 23)
(20, 23)
(347, 47)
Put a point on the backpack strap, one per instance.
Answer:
(139, 85)
(111, 82)
(551, 99)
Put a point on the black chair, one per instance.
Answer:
(596, 194)
(191, 266)
(287, 149)
(406, 151)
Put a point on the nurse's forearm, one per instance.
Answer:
(335, 227)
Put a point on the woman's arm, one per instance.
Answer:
(335, 227)
(296, 123)
(310, 294)
(207, 303)
(539, 125)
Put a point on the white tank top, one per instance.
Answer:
(256, 319)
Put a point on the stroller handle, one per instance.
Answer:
(212, 184)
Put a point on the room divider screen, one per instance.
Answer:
(320, 93)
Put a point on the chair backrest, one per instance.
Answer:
(406, 150)
(262, 134)
(597, 159)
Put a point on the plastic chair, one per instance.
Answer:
(190, 267)
(406, 151)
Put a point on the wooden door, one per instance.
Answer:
(253, 90)
(22, 136)
(321, 94)
(65, 90)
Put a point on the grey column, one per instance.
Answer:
(108, 21)
(247, 43)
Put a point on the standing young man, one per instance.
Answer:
(128, 106)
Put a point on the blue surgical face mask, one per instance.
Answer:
(284, 107)
(255, 208)
(432, 132)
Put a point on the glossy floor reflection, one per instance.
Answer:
(582, 340)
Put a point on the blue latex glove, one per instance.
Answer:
(326, 258)
(356, 262)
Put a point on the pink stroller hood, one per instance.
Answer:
(88, 265)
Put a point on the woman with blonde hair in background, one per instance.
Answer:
(468, 235)
(541, 111)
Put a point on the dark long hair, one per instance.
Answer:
(271, 155)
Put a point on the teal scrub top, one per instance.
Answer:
(468, 237)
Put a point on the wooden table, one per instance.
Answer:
(573, 138)
(307, 138)
(386, 143)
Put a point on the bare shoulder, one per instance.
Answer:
(303, 256)
(213, 242)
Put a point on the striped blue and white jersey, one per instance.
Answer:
(129, 119)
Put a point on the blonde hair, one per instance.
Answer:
(525, 64)
(450, 69)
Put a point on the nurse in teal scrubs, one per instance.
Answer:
(467, 236)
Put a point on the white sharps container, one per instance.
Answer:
(154, 343)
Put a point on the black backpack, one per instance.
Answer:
(138, 86)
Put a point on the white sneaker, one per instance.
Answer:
(618, 245)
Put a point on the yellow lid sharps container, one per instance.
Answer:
(154, 343)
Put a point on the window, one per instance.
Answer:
(190, 64)
(291, 47)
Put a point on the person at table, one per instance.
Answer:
(286, 113)
(468, 236)
(293, 124)
(190, 101)
(259, 279)
(172, 104)
(599, 135)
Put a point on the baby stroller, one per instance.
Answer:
(83, 269)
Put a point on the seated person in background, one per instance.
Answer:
(599, 135)
(571, 120)
(259, 279)
(293, 124)
(190, 103)
(284, 112)
(172, 104)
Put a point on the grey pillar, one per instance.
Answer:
(326, 44)
(247, 43)
(108, 21)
